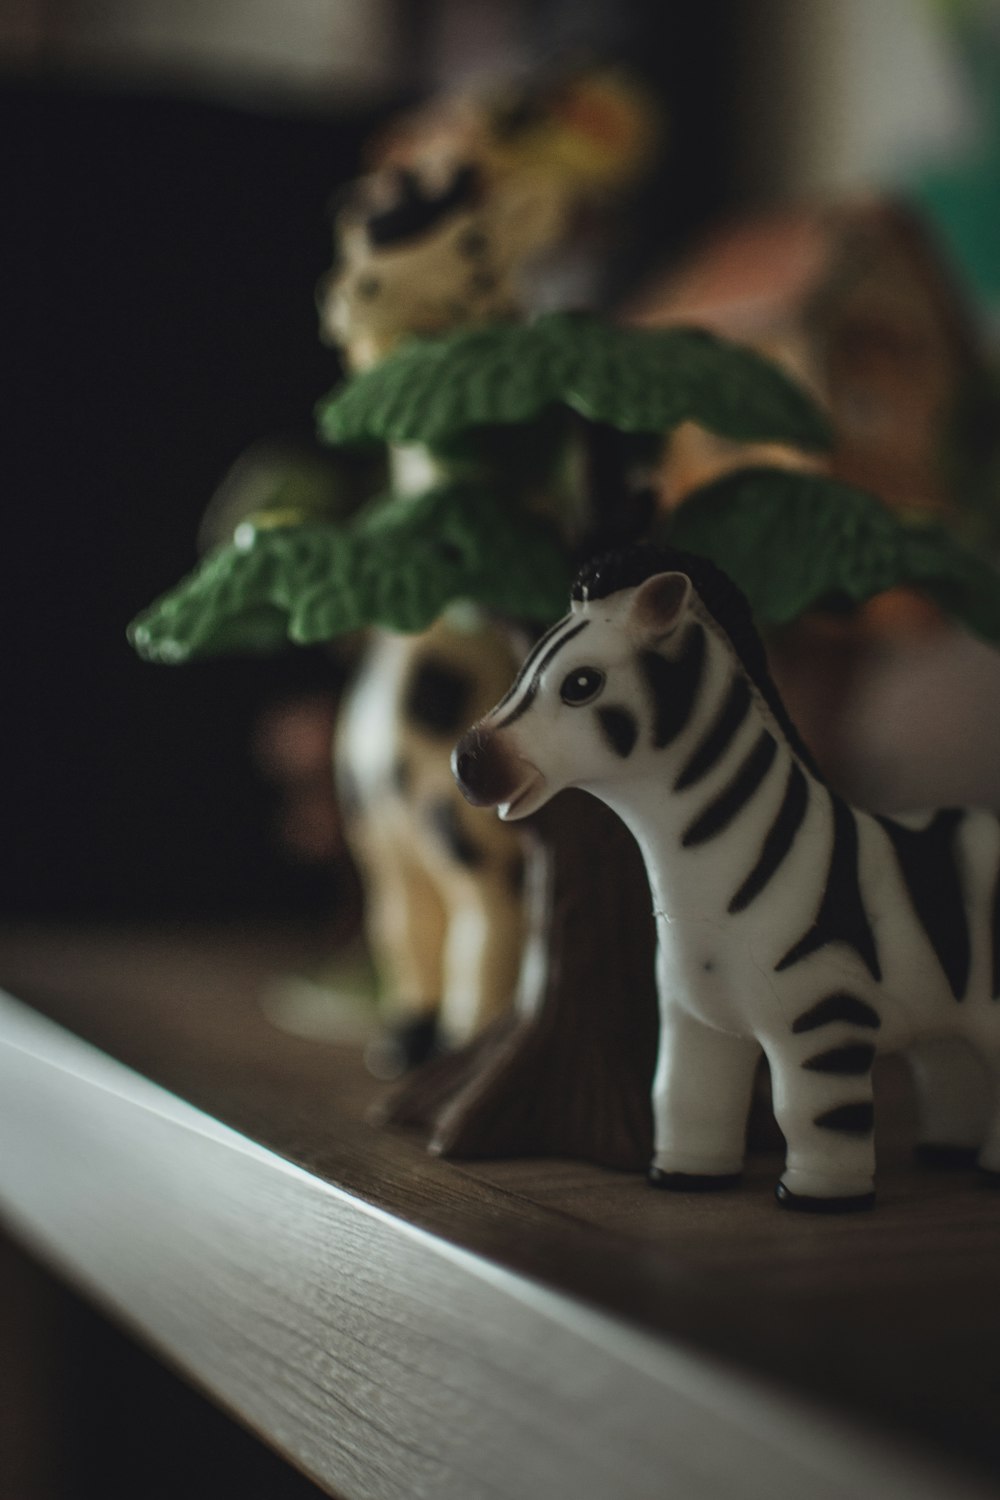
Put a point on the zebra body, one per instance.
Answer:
(788, 921)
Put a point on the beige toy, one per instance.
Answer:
(443, 909)
(466, 199)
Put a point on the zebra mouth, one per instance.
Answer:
(528, 797)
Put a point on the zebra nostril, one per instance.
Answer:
(463, 764)
(484, 767)
(465, 759)
(470, 767)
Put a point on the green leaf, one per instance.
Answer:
(793, 541)
(398, 564)
(637, 379)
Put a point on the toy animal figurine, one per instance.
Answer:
(469, 198)
(413, 257)
(788, 921)
(442, 236)
(444, 908)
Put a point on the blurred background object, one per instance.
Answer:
(903, 96)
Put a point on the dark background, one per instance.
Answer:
(160, 286)
(163, 289)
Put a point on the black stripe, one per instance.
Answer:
(851, 1060)
(848, 1119)
(839, 1007)
(732, 799)
(619, 729)
(528, 665)
(719, 735)
(673, 684)
(927, 862)
(532, 689)
(841, 917)
(779, 839)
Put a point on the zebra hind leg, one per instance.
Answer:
(823, 1104)
(953, 1101)
(989, 1155)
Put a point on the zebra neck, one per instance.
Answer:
(716, 819)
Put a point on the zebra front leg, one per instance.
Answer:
(822, 1094)
(701, 1100)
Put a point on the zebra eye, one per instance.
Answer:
(581, 686)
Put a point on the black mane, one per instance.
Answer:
(725, 602)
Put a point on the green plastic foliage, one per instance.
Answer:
(793, 541)
(398, 564)
(639, 380)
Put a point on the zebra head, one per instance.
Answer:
(608, 685)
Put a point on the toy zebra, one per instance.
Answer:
(788, 921)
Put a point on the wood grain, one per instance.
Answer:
(404, 1326)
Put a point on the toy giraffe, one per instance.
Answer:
(442, 235)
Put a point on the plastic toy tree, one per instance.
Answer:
(505, 519)
(537, 435)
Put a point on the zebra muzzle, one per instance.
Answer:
(489, 775)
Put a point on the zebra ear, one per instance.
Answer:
(659, 604)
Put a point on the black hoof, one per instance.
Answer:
(803, 1204)
(693, 1182)
(945, 1158)
(403, 1047)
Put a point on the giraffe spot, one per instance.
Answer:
(481, 283)
(444, 819)
(472, 243)
(438, 696)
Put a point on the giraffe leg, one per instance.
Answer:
(477, 866)
(405, 926)
(701, 1099)
(823, 1104)
(482, 955)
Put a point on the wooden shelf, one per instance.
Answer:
(401, 1326)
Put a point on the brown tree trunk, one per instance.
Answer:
(570, 1075)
